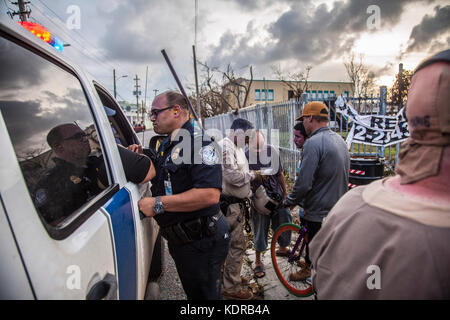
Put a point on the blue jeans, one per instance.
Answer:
(199, 263)
(261, 224)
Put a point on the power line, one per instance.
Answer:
(79, 34)
(87, 53)
(61, 20)
(7, 5)
(81, 48)
(123, 99)
(9, 11)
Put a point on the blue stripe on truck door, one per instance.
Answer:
(121, 212)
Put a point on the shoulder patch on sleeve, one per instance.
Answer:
(40, 197)
(209, 155)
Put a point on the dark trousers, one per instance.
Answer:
(311, 229)
(199, 263)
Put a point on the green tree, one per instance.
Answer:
(399, 91)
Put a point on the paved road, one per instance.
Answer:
(169, 284)
(145, 137)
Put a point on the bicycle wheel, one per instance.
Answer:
(285, 265)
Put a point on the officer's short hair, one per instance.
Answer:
(61, 132)
(54, 136)
(243, 124)
(174, 97)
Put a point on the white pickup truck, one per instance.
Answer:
(100, 248)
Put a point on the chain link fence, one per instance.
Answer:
(277, 120)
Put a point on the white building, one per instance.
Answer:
(132, 115)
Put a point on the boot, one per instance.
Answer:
(240, 295)
(300, 275)
(302, 264)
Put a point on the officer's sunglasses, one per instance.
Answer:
(77, 136)
(155, 112)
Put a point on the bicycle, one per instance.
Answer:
(285, 265)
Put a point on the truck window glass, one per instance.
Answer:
(52, 130)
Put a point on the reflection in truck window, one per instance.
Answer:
(52, 130)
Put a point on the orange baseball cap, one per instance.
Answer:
(314, 108)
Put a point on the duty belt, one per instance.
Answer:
(189, 231)
(226, 201)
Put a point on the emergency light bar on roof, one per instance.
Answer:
(42, 33)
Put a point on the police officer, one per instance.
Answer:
(77, 175)
(185, 202)
(235, 204)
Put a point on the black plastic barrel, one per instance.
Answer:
(373, 168)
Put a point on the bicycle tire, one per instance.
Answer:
(283, 267)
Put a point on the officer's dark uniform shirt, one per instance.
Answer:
(65, 188)
(186, 176)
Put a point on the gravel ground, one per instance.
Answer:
(268, 287)
(169, 283)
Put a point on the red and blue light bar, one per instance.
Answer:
(57, 43)
(43, 34)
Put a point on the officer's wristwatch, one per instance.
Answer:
(158, 208)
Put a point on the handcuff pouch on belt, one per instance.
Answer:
(226, 201)
(189, 231)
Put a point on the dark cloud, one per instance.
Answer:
(15, 63)
(252, 5)
(308, 32)
(424, 34)
(36, 95)
(128, 35)
(137, 30)
(30, 121)
(440, 45)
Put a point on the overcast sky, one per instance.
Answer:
(128, 35)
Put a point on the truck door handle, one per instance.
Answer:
(105, 289)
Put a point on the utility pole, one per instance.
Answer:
(145, 96)
(155, 91)
(197, 99)
(23, 12)
(137, 94)
(143, 112)
(400, 85)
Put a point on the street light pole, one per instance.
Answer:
(114, 77)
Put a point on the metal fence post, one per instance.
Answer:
(304, 100)
(270, 125)
(291, 121)
(382, 112)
